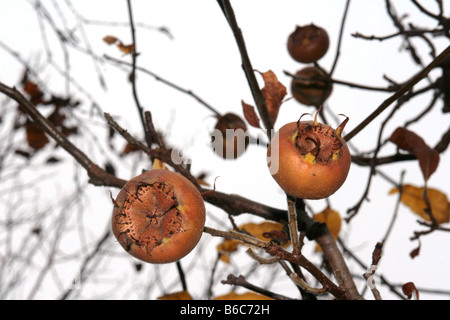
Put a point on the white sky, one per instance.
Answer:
(203, 57)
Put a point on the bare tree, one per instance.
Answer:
(69, 143)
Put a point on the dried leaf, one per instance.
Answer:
(36, 137)
(414, 253)
(332, 219)
(274, 92)
(413, 197)
(34, 92)
(262, 231)
(127, 49)
(243, 296)
(181, 295)
(409, 288)
(124, 48)
(110, 39)
(250, 115)
(411, 142)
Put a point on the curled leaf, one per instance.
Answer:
(414, 198)
(250, 115)
(274, 92)
(411, 142)
(409, 288)
(126, 49)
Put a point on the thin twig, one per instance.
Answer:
(134, 55)
(407, 86)
(258, 97)
(98, 176)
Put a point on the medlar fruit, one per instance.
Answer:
(308, 44)
(309, 160)
(311, 86)
(158, 216)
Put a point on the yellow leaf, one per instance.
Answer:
(261, 230)
(181, 295)
(243, 296)
(225, 248)
(333, 221)
(265, 231)
(413, 197)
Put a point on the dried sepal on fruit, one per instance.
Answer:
(308, 159)
(158, 216)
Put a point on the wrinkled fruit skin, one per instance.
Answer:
(308, 44)
(312, 161)
(312, 87)
(229, 139)
(158, 216)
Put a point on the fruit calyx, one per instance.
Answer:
(150, 216)
(317, 142)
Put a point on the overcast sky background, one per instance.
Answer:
(202, 56)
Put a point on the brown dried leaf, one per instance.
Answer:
(127, 49)
(181, 295)
(110, 39)
(413, 197)
(414, 253)
(411, 142)
(250, 115)
(409, 288)
(35, 94)
(274, 92)
(36, 137)
(243, 296)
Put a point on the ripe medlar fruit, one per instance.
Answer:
(311, 86)
(308, 44)
(230, 139)
(309, 160)
(158, 216)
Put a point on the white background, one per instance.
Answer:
(203, 57)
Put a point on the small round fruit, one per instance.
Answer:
(158, 216)
(309, 160)
(311, 86)
(229, 138)
(308, 44)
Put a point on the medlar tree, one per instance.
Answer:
(69, 152)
